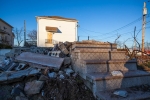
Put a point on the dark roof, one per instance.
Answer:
(58, 17)
(51, 29)
(5, 23)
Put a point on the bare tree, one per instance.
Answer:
(32, 35)
(118, 36)
(119, 44)
(18, 35)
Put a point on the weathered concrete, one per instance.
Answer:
(88, 45)
(94, 61)
(101, 55)
(54, 53)
(40, 59)
(13, 76)
(4, 51)
(105, 81)
(132, 95)
(33, 87)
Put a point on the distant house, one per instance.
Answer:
(54, 29)
(6, 34)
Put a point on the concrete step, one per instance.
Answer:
(92, 54)
(93, 45)
(132, 95)
(89, 66)
(105, 81)
(109, 65)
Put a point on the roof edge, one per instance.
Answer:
(6, 23)
(55, 18)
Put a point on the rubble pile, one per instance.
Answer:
(44, 74)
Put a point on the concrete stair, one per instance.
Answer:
(94, 61)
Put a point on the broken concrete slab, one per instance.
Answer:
(8, 67)
(67, 61)
(20, 66)
(121, 93)
(63, 48)
(54, 53)
(40, 59)
(68, 44)
(43, 78)
(13, 76)
(21, 98)
(16, 91)
(33, 87)
(52, 75)
(4, 51)
(116, 73)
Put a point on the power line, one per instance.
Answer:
(121, 34)
(116, 29)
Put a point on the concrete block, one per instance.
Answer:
(40, 59)
(33, 87)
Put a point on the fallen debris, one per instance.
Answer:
(63, 48)
(20, 66)
(116, 73)
(43, 78)
(68, 71)
(21, 98)
(41, 60)
(52, 75)
(45, 74)
(18, 90)
(121, 93)
(13, 76)
(33, 87)
(67, 61)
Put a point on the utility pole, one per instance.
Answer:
(24, 32)
(143, 25)
(88, 37)
(134, 38)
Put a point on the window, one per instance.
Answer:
(5, 38)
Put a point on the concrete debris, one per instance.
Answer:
(54, 53)
(74, 75)
(52, 75)
(39, 59)
(42, 93)
(67, 44)
(121, 93)
(21, 98)
(67, 61)
(17, 91)
(42, 73)
(55, 48)
(63, 48)
(12, 65)
(62, 76)
(33, 87)
(7, 64)
(68, 71)
(20, 66)
(43, 78)
(6, 61)
(116, 73)
(60, 72)
(13, 76)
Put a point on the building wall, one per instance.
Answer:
(67, 31)
(10, 37)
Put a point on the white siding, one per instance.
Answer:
(68, 31)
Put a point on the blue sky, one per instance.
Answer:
(97, 18)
